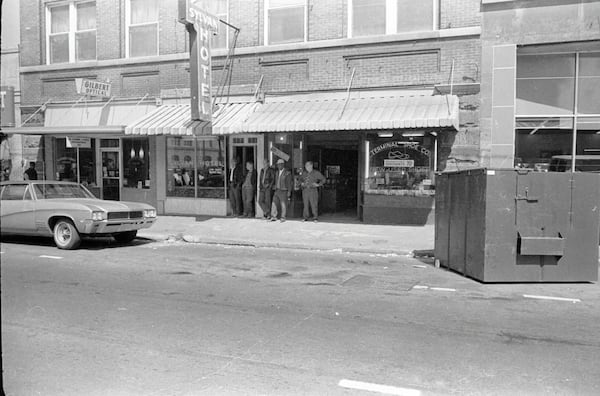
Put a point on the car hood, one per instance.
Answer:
(108, 206)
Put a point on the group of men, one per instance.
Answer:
(275, 188)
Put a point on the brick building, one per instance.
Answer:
(380, 94)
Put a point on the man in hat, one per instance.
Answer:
(236, 178)
(283, 190)
(310, 181)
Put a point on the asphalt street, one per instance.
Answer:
(170, 318)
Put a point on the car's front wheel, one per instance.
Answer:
(66, 235)
(125, 237)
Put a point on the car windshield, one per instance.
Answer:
(60, 190)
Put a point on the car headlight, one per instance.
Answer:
(149, 212)
(98, 215)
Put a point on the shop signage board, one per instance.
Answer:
(280, 153)
(7, 104)
(79, 142)
(398, 163)
(200, 26)
(92, 88)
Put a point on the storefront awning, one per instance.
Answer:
(362, 113)
(86, 119)
(175, 120)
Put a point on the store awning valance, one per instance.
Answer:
(176, 120)
(86, 119)
(362, 113)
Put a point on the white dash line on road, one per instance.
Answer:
(573, 300)
(51, 257)
(448, 289)
(420, 287)
(384, 389)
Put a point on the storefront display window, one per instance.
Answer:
(66, 165)
(401, 164)
(136, 163)
(195, 167)
(557, 104)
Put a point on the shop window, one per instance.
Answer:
(195, 167)
(373, 17)
(136, 163)
(142, 28)
(68, 168)
(402, 164)
(71, 35)
(286, 21)
(550, 118)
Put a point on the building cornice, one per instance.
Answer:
(474, 31)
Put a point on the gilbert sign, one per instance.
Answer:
(200, 25)
(92, 88)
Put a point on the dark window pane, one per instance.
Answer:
(555, 65)
(142, 40)
(59, 48)
(545, 96)
(368, 17)
(210, 169)
(85, 45)
(588, 144)
(86, 16)
(136, 163)
(415, 15)
(286, 25)
(534, 148)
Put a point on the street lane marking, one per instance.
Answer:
(51, 257)
(384, 389)
(443, 289)
(573, 300)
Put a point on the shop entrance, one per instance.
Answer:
(245, 154)
(337, 158)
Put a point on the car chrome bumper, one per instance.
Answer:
(92, 227)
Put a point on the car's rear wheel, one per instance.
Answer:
(125, 237)
(66, 235)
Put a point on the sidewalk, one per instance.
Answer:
(294, 234)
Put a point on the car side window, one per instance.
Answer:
(13, 192)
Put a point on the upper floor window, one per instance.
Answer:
(142, 28)
(286, 21)
(373, 17)
(71, 32)
(220, 9)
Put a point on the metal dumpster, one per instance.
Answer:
(518, 226)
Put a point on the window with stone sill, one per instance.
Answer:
(378, 17)
(142, 28)
(286, 21)
(71, 32)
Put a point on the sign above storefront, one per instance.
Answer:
(280, 153)
(79, 142)
(92, 88)
(200, 26)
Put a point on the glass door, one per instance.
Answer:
(110, 174)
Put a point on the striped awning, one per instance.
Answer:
(176, 120)
(362, 113)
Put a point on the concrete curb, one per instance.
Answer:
(272, 245)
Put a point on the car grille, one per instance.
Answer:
(125, 215)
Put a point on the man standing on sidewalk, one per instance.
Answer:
(249, 189)
(310, 181)
(236, 178)
(283, 190)
(266, 184)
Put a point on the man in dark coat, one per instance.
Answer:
(235, 178)
(265, 184)
(249, 189)
(283, 190)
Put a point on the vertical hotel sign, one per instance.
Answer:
(200, 26)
